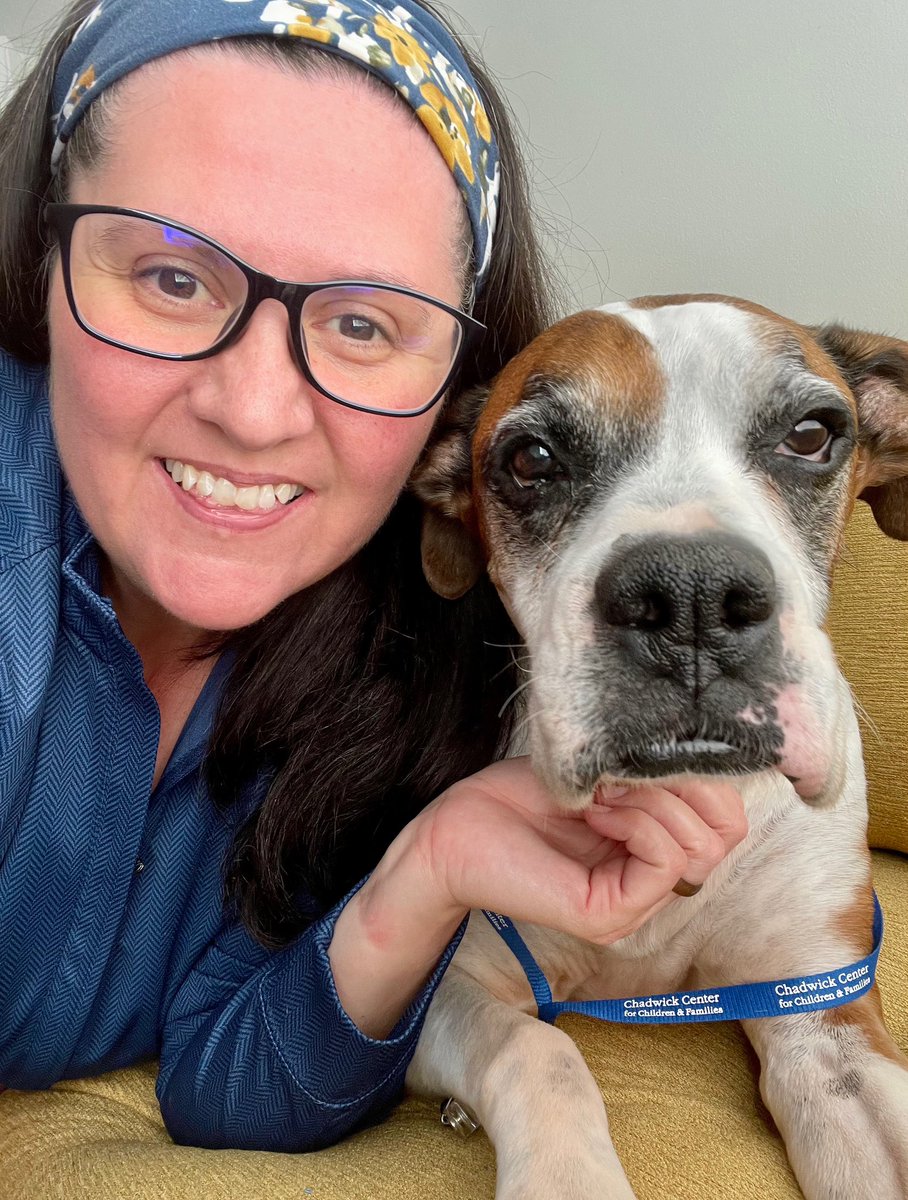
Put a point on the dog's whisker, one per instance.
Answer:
(519, 659)
(516, 692)
(548, 545)
(866, 719)
(515, 662)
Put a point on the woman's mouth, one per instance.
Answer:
(223, 493)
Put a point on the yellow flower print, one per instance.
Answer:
(406, 49)
(483, 128)
(469, 100)
(313, 30)
(448, 131)
(85, 81)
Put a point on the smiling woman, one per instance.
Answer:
(212, 457)
(246, 415)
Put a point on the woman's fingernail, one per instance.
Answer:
(611, 792)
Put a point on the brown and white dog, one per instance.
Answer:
(658, 490)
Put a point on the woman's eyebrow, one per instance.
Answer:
(121, 232)
(370, 274)
(124, 232)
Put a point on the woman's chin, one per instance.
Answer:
(221, 603)
(221, 615)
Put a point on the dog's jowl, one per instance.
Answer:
(658, 491)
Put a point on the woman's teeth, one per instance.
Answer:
(227, 494)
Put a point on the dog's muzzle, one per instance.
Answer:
(694, 622)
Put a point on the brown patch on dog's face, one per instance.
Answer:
(780, 333)
(871, 372)
(595, 349)
(598, 359)
(701, 298)
(876, 367)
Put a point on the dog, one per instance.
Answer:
(658, 489)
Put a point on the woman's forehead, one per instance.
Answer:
(289, 170)
(408, 47)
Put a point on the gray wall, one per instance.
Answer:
(756, 147)
(20, 24)
(18, 17)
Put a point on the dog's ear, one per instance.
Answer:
(876, 369)
(452, 557)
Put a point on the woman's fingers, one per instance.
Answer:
(719, 804)
(705, 820)
(636, 878)
(596, 875)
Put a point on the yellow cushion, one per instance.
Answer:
(869, 627)
(683, 1106)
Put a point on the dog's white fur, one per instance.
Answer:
(793, 898)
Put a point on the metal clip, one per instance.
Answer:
(455, 1116)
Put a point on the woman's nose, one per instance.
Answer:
(254, 389)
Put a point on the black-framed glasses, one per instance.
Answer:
(159, 288)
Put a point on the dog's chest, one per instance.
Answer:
(651, 961)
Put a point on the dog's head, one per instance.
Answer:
(658, 490)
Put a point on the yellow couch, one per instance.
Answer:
(683, 1102)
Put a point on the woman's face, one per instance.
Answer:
(307, 178)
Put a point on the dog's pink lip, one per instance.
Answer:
(806, 751)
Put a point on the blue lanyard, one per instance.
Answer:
(776, 998)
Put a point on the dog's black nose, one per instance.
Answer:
(691, 606)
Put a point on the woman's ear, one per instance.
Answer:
(875, 367)
(452, 555)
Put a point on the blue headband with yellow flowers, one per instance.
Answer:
(400, 43)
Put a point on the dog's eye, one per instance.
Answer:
(810, 439)
(534, 463)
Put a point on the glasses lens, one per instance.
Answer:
(150, 286)
(379, 348)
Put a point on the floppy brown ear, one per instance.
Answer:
(452, 556)
(876, 369)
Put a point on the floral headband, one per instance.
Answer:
(400, 43)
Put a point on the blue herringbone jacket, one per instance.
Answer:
(113, 944)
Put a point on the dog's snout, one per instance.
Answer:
(693, 606)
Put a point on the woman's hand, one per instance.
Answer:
(496, 840)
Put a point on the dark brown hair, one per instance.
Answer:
(363, 697)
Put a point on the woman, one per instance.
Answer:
(202, 552)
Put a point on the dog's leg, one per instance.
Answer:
(530, 1089)
(837, 1086)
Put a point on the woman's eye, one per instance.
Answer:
(810, 439)
(534, 463)
(352, 325)
(174, 283)
(177, 283)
